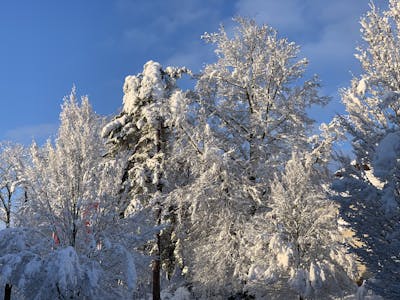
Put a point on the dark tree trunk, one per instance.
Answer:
(7, 289)
(8, 218)
(156, 265)
(156, 277)
(7, 292)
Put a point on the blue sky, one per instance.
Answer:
(49, 45)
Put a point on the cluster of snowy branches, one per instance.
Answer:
(368, 188)
(221, 191)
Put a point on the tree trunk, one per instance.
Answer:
(7, 292)
(156, 276)
(7, 289)
(156, 265)
(8, 218)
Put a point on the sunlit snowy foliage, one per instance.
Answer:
(221, 191)
(299, 249)
(76, 244)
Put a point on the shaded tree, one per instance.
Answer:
(368, 186)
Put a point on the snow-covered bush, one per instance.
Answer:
(37, 269)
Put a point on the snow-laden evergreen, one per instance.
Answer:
(37, 270)
(149, 128)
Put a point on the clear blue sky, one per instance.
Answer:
(49, 45)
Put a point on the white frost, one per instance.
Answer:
(149, 85)
(362, 87)
(113, 125)
(387, 153)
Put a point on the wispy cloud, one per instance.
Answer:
(282, 14)
(327, 31)
(169, 31)
(26, 134)
(166, 17)
(138, 39)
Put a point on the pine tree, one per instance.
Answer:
(148, 129)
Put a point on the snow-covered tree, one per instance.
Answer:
(369, 185)
(149, 128)
(211, 211)
(256, 92)
(76, 245)
(64, 178)
(12, 161)
(299, 248)
(254, 104)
